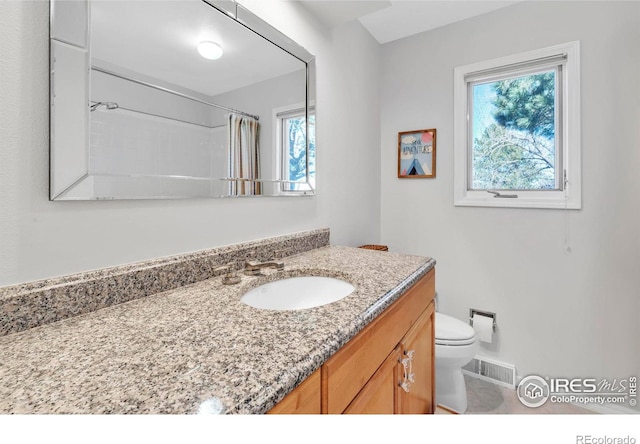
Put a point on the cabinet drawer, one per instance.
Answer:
(346, 373)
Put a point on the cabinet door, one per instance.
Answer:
(380, 394)
(416, 367)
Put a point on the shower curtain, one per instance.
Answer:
(244, 155)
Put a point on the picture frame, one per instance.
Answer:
(417, 154)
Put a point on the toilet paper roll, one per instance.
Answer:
(483, 325)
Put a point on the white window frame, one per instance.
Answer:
(567, 198)
(279, 114)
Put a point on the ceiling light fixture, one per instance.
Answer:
(210, 50)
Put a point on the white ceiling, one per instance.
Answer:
(392, 20)
(333, 13)
(158, 39)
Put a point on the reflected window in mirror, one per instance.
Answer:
(292, 129)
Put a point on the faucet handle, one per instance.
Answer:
(279, 254)
(222, 269)
(230, 272)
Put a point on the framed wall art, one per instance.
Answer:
(417, 154)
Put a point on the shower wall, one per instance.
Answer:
(155, 142)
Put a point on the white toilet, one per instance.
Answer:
(455, 347)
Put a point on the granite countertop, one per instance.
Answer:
(198, 349)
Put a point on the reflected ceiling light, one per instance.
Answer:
(210, 50)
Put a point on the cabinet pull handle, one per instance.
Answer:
(407, 366)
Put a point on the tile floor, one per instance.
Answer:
(484, 397)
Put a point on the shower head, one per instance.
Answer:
(107, 105)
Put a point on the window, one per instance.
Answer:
(517, 130)
(292, 129)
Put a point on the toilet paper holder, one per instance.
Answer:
(474, 311)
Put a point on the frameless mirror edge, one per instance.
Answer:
(311, 109)
(257, 25)
(228, 7)
(68, 37)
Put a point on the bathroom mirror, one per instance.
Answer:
(177, 99)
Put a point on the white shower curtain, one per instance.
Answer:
(244, 155)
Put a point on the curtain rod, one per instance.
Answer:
(170, 91)
(115, 106)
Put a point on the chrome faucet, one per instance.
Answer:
(253, 268)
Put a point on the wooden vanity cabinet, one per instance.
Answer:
(388, 367)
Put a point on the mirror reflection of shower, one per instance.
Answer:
(160, 130)
(107, 105)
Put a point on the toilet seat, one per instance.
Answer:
(454, 342)
(452, 332)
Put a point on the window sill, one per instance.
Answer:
(519, 202)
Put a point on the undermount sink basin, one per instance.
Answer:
(297, 293)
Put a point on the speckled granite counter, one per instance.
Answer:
(197, 348)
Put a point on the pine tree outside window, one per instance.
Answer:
(517, 130)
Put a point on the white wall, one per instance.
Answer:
(40, 239)
(560, 313)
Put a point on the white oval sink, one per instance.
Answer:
(297, 293)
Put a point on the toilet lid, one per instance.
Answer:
(452, 331)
